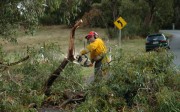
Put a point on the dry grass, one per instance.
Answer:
(134, 45)
(50, 34)
(60, 35)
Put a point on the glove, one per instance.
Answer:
(84, 51)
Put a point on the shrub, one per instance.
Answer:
(140, 82)
(137, 82)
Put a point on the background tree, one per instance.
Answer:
(62, 11)
(158, 14)
(143, 16)
(16, 13)
(176, 18)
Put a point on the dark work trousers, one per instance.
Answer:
(97, 70)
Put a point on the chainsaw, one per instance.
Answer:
(83, 60)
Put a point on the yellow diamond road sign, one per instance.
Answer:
(120, 23)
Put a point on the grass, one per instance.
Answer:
(60, 36)
(50, 34)
(21, 85)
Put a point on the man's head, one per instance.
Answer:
(91, 36)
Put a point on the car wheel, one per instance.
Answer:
(147, 50)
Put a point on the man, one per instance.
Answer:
(97, 50)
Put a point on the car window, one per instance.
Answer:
(160, 37)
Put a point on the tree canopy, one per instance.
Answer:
(15, 14)
(143, 16)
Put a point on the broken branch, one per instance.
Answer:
(70, 57)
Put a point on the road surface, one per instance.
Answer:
(174, 44)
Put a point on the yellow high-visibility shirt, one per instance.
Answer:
(97, 48)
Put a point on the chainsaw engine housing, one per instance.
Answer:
(83, 60)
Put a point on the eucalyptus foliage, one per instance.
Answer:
(137, 82)
(141, 82)
(15, 14)
(62, 11)
(142, 16)
(21, 86)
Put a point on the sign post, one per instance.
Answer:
(119, 38)
(120, 23)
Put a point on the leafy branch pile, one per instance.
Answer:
(142, 82)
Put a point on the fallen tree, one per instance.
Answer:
(4, 66)
(70, 57)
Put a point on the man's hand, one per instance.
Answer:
(84, 51)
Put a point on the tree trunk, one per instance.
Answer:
(70, 57)
(150, 15)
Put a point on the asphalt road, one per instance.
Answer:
(174, 44)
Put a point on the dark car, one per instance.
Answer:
(155, 41)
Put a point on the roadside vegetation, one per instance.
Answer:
(139, 81)
(34, 38)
